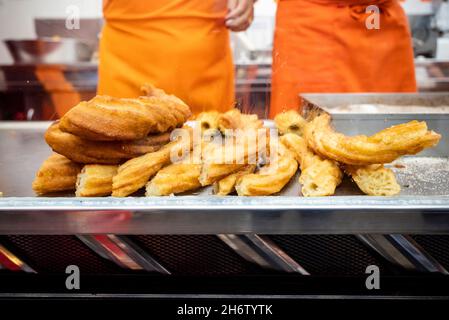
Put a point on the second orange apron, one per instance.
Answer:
(324, 46)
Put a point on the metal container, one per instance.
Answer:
(49, 50)
(422, 206)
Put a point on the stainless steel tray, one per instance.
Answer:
(422, 206)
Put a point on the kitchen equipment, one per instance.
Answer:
(88, 32)
(89, 29)
(422, 20)
(49, 50)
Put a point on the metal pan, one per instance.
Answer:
(422, 206)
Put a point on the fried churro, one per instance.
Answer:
(208, 120)
(135, 173)
(270, 179)
(95, 180)
(382, 147)
(374, 180)
(105, 118)
(101, 152)
(319, 177)
(236, 153)
(290, 122)
(57, 173)
(235, 120)
(175, 178)
(226, 185)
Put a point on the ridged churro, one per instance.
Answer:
(271, 178)
(235, 120)
(105, 118)
(232, 156)
(319, 177)
(290, 122)
(174, 178)
(208, 120)
(382, 147)
(101, 152)
(226, 185)
(135, 173)
(57, 173)
(95, 180)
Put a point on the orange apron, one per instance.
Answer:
(323, 46)
(181, 46)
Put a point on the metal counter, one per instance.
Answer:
(421, 208)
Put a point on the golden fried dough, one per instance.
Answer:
(208, 120)
(151, 91)
(105, 118)
(383, 147)
(374, 180)
(234, 120)
(57, 173)
(271, 178)
(212, 172)
(169, 111)
(170, 107)
(101, 152)
(226, 185)
(319, 177)
(135, 173)
(232, 156)
(180, 176)
(174, 178)
(95, 180)
(290, 122)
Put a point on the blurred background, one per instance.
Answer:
(45, 68)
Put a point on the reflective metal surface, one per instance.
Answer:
(262, 251)
(336, 102)
(49, 50)
(10, 261)
(403, 251)
(123, 252)
(235, 215)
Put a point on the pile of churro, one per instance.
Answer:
(118, 147)
(324, 155)
(111, 146)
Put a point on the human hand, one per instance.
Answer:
(240, 14)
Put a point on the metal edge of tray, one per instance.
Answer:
(218, 215)
(332, 100)
(226, 203)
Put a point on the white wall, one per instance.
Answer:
(17, 17)
(262, 28)
(265, 7)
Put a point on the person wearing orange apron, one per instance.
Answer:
(325, 46)
(180, 46)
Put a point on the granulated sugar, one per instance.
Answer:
(422, 175)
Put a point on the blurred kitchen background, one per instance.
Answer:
(45, 68)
